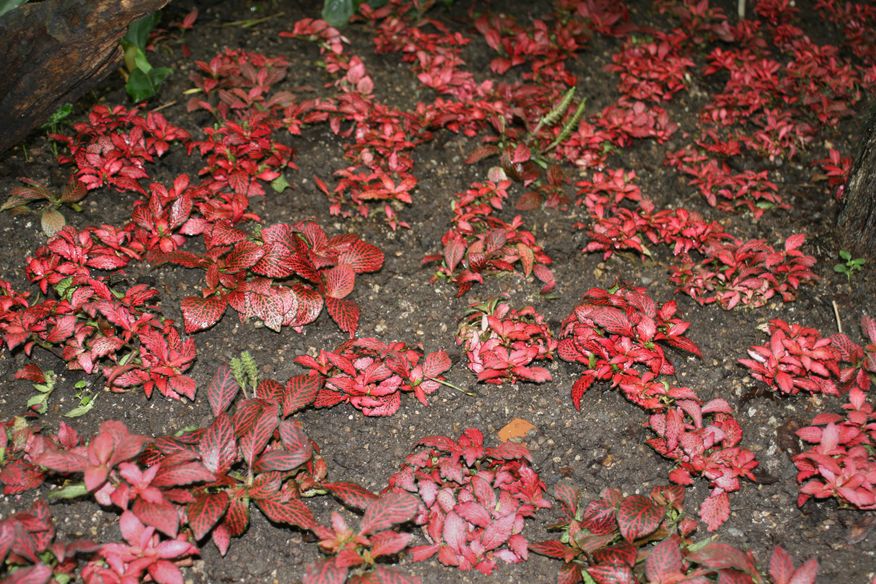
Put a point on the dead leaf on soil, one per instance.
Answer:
(516, 428)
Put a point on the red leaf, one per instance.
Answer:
(291, 512)
(722, 556)
(637, 517)
(664, 560)
(324, 572)
(161, 515)
(222, 390)
(218, 447)
(612, 574)
(254, 440)
(435, 364)
(280, 459)
(294, 438)
(388, 510)
(362, 257)
(553, 548)
(31, 372)
(205, 511)
(454, 251)
(345, 313)
(185, 473)
(529, 201)
(481, 152)
(715, 510)
(339, 281)
(498, 532)
(300, 392)
(806, 573)
(389, 543)
(781, 566)
(351, 494)
(201, 313)
(245, 255)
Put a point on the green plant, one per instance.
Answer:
(851, 265)
(143, 79)
(7, 5)
(39, 401)
(53, 124)
(338, 12)
(86, 398)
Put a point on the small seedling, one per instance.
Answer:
(39, 401)
(51, 218)
(86, 398)
(851, 265)
(142, 79)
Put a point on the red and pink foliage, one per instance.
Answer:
(635, 538)
(799, 358)
(841, 464)
(750, 273)
(474, 500)
(501, 343)
(479, 242)
(371, 375)
(653, 71)
(358, 551)
(114, 146)
(283, 275)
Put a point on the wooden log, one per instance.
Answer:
(55, 51)
(856, 223)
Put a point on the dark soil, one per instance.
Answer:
(603, 445)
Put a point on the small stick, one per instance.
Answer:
(839, 324)
(164, 105)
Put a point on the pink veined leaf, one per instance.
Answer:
(721, 556)
(339, 281)
(345, 313)
(222, 390)
(201, 313)
(388, 510)
(638, 516)
(290, 512)
(324, 572)
(806, 573)
(781, 566)
(389, 543)
(351, 494)
(163, 516)
(611, 574)
(218, 447)
(715, 510)
(294, 439)
(664, 561)
(553, 548)
(454, 251)
(498, 532)
(300, 392)
(205, 511)
(794, 241)
(435, 364)
(569, 574)
(177, 475)
(362, 257)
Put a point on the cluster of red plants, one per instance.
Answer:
(616, 336)
(474, 500)
(479, 242)
(637, 538)
(501, 343)
(798, 358)
(371, 375)
(841, 463)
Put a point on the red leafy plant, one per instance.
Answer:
(371, 375)
(654, 70)
(750, 273)
(474, 500)
(798, 358)
(615, 332)
(114, 146)
(501, 343)
(616, 335)
(30, 551)
(842, 463)
(480, 243)
(355, 552)
(637, 538)
(283, 275)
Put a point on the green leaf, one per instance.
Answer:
(845, 254)
(85, 406)
(7, 5)
(280, 183)
(138, 31)
(840, 268)
(38, 403)
(337, 12)
(59, 115)
(139, 86)
(69, 492)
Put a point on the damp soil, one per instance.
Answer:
(603, 445)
